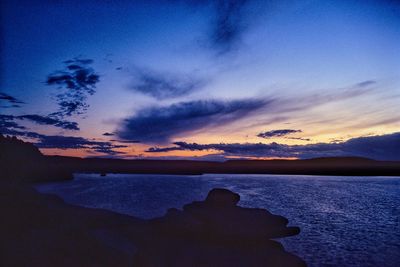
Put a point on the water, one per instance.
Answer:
(344, 221)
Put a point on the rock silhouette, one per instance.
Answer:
(217, 232)
(42, 230)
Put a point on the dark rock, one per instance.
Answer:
(217, 232)
(222, 197)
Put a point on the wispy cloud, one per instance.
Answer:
(228, 24)
(298, 138)
(366, 83)
(277, 133)
(165, 85)
(161, 124)
(76, 81)
(9, 121)
(230, 19)
(8, 101)
(45, 120)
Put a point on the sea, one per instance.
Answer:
(344, 221)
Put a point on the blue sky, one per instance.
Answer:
(205, 72)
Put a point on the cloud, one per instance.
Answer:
(45, 120)
(9, 121)
(228, 24)
(230, 18)
(9, 127)
(72, 142)
(230, 149)
(277, 133)
(298, 138)
(9, 101)
(284, 107)
(108, 134)
(63, 142)
(164, 86)
(160, 124)
(382, 147)
(77, 81)
(366, 83)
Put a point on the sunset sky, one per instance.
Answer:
(207, 79)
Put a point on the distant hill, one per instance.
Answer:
(343, 166)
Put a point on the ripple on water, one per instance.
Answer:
(345, 221)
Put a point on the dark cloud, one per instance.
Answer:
(298, 138)
(383, 147)
(108, 134)
(10, 106)
(72, 142)
(164, 86)
(45, 120)
(63, 142)
(277, 133)
(9, 121)
(9, 101)
(77, 81)
(9, 127)
(15, 132)
(7, 124)
(160, 124)
(231, 149)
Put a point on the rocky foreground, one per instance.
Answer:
(41, 230)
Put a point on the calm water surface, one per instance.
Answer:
(344, 221)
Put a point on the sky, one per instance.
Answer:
(202, 79)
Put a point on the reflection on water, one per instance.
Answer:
(345, 221)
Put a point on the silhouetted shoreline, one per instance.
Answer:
(341, 166)
(23, 161)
